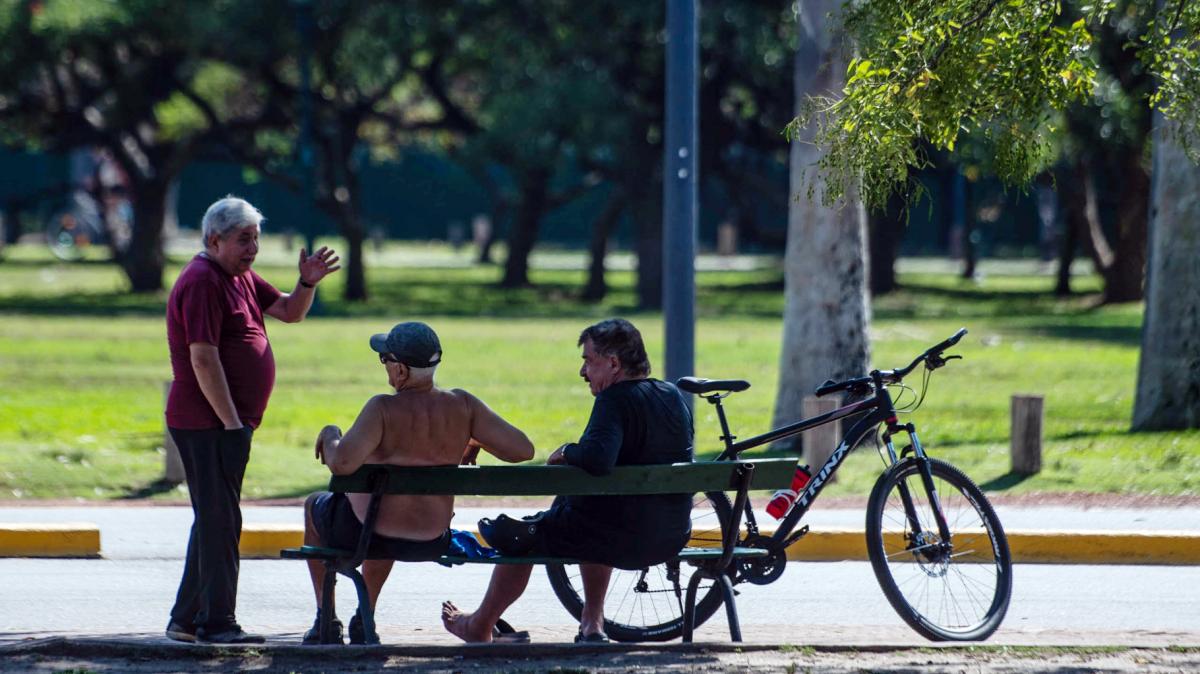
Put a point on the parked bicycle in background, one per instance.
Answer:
(95, 210)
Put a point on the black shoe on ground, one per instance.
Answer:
(313, 636)
(233, 634)
(357, 635)
(178, 632)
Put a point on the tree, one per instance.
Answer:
(110, 75)
(371, 65)
(1168, 388)
(826, 311)
(1005, 71)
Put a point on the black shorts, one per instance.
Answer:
(338, 527)
(565, 532)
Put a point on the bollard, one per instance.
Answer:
(727, 235)
(172, 464)
(1026, 438)
(820, 442)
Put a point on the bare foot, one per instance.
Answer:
(462, 625)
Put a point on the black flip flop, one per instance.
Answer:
(594, 638)
(505, 634)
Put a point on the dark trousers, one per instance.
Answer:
(214, 462)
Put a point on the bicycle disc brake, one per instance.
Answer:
(761, 570)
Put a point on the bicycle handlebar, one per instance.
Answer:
(932, 357)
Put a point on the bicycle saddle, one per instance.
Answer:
(698, 385)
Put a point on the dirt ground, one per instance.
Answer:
(563, 660)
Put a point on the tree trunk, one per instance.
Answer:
(535, 185)
(1066, 254)
(356, 271)
(648, 222)
(1168, 388)
(1123, 279)
(886, 231)
(826, 309)
(602, 229)
(143, 261)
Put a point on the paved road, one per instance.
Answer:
(130, 591)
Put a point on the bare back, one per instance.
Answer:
(427, 427)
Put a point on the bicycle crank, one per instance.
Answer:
(761, 570)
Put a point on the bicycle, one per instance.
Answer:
(935, 543)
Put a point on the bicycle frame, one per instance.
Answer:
(880, 410)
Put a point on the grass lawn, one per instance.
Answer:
(83, 364)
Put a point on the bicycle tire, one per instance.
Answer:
(652, 613)
(940, 592)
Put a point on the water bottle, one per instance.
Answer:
(782, 501)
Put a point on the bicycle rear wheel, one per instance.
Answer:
(646, 605)
(947, 590)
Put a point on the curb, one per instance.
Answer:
(68, 539)
(263, 541)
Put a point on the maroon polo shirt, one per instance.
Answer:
(209, 305)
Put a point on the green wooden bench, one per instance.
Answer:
(681, 478)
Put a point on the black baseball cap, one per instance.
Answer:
(413, 343)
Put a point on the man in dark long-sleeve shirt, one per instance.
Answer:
(635, 421)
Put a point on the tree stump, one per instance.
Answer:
(1026, 439)
(820, 442)
(172, 463)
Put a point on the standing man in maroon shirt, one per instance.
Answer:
(223, 374)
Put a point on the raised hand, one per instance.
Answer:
(317, 266)
(471, 453)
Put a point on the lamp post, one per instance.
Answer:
(304, 150)
(680, 189)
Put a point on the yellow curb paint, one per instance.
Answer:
(264, 541)
(1105, 547)
(67, 539)
(1032, 547)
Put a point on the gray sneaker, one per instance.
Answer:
(180, 632)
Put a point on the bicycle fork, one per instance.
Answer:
(910, 508)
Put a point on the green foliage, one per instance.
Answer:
(999, 70)
(1172, 52)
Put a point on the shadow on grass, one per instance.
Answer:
(1004, 482)
(159, 486)
(1123, 335)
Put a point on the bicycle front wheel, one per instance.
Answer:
(647, 604)
(947, 590)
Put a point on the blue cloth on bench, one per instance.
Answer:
(464, 544)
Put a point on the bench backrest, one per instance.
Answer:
(524, 480)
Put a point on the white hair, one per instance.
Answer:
(228, 214)
(421, 374)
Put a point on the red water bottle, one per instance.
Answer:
(782, 501)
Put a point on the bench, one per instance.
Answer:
(712, 563)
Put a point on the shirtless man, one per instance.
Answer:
(418, 425)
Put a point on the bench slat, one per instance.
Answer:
(678, 478)
(687, 554)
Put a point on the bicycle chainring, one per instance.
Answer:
(760, 570)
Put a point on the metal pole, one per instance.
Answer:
(304, 25)
(680, 188)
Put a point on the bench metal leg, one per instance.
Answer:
(735, 626)
(327, 600)
(689, 606)
(364, 603)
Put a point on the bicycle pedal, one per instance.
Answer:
(795, 537)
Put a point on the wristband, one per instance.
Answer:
(306, 284)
